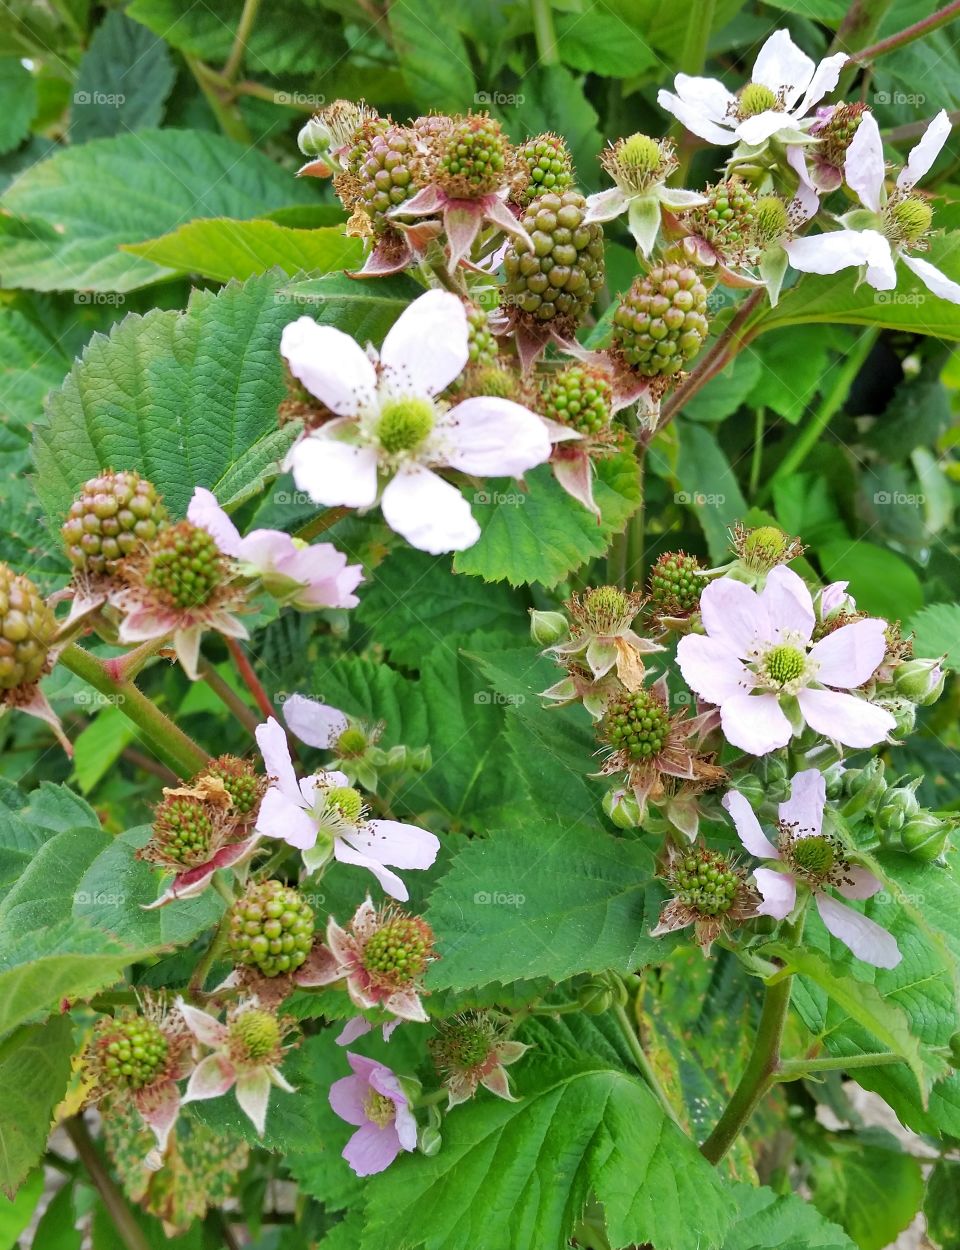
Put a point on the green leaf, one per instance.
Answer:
(46, 891)
(708, 485)
(18, 102)
(34, 1070)
(185, 398)
(770, 1221)
(98, 747)
(880, 580)
(365, 308)
(433, 55)
(781, 386)
(868, 1185)
(911, 306)
(529, 1167)
(15, 1216)
(222, 249)
(67, 216)
(600, 40)
(541, 534)
(942, 1204)
(551, 98)
(551, 901)
(936, 629)
(31, 364)
(56, 1229)
(123, 81)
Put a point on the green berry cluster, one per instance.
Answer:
(398, 951)
(726, 220)
(271, 928)
(661, 322)
(27, 627)
(473, 157)
(481, 342)
(636, 722)
(132, 1051)
(705, 881)
(184, 565)
(559, 278)
(836, 132)
(674, 587)
(184, 829)
(385, 174)
(239, 780)
(112, 517)
(579, 397)
(546, 164)
(464, 1042)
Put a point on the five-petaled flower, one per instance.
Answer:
(391, 431)
(373, 1100)
(810, 857)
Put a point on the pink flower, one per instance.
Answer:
(391, 428)
(815, 859)
(305, 577)
(373, 1100)
(758, 663)
(245, 1054)
(324, 817)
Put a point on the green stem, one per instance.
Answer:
(544, 33)
(228, 696)
(319, 524)
(617, 560)
(641, 1060)
(124, 1221)
(636, 545)
(926, 24)
(221, 104)
(431, 1099)
(557, 1009)
(244, 27)
(169, 742)
(217, 943)
(756, 458)
(860, 24)
(830, 404)
(697, 40)
(797, 1069)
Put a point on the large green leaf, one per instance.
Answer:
(27, 822)
(552, 901)
(880, 580)
(186, 398)
(942, 1204)
(34, 1069)
(123, 80)
(516, 1176)
(433, 55)
(221, 248)
(708, 485)
(363, 307)
(937, 629)
(18, 101)
(771, 1221)
(601, 40)
(540, 534)
(66, 217)
(869, 1185)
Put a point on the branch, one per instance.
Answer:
(909, 33)
(122, 1217)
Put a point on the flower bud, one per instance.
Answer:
(833, 780)
(899, 804)
(925, 836)
(548, 628)
(429, 1141)
(920, 681)
(595, 997)
(753, 788)
(622, 808)
(864, 787)
(314, 138)
(903, 712)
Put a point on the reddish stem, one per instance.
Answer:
(909, 33)
(250, 679)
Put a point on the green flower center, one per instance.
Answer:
(911, 218)
(379, 1109)
(604, 607)
(346, 801)
(771, 217)
(398, 950)
(814, 855)
(352, 741)
(640, 154)
(255, 1034)
(636, 723)
(463, 1045)
(764, 547)
(185, 565)
(756, 98)
(404, 424)
(783, 664)
(184, 828)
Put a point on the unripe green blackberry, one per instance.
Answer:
(726, 220)
(27, 627)
(130, 1051)
(239, 780)
(271, 928)
(674, 585)
(764, 547)
(464, 1042)
(579, 397)
(909, 218)
(112, 517)
(184, 565)
(254, 1037)
(398, 950)
(814, 855)
(545, 165)
(480, 341)
(385, 174)
(706, 881)
(557, 281)
(473, 157)
(636, 722)
(498, 380)
(835, 133)
(661, 322)
(183, 830)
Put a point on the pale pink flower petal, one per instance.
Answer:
(735, 615)
(372, 1149)
(779, 891)
(204, 512)
(868, 941)
(861, 884)
(404, 846)
(275, 750)
(922, 156)
(845, 718)
(748, 827)
(498, 1083)
(754, 723)
(347, 1098)
(493, 437)
(427, 346)
(851, 654)
(788, 602)
(330, 364)
(204, 1027)
(211, 1078)
(316, 724)
(864, 165)
(389, 881)
(334, 473)
(711, 668)
(932, 278)
(357, 1027)
(804, 807)
(280, 817)
(428, 512)
(159, 1108)
(253, 1094)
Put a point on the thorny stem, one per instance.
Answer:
(636, 549)
(640, 1059)
(797, 1069)
(228, 696)
(217, 942)
(220, 99)
(926, 24)
(250, 679)
(169, 742)
(544, 32)
(319, 524)
(124, 1221)
(247, 18)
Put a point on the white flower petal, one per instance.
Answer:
(695, 120)
(280, 817)
(389, 881)
(748, 827)
(754, 723)
(781, 65)
(211, 1078)
(868, 941)
(392, 842)
(825, 78)
(881, 271)
(779, 892)
(926, 152)
(330, 364)
(204, 511)
(851, 654)
(428, 512)
(788, 603)
(275, 750)
(754, 130)
(860, 883)
(427, 346)
(710, 667)
(864, 165)
(643, 221)
(845, 718)
(334, 473)
(804, 808)
(605, 205)
(709, 95)
(933, 279)
(827, 253)
(316, 724)
(735, 615)
(491, 437)
(204, 1027)
(253, 1094)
